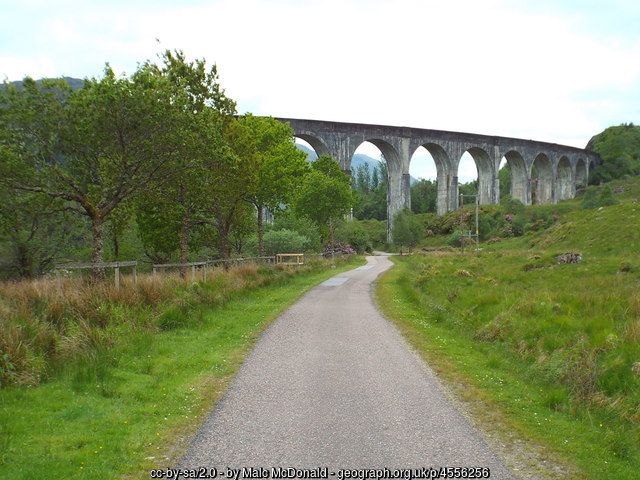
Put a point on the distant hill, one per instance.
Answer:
(357, 160)
(74, 83)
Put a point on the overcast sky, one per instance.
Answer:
(550, 70)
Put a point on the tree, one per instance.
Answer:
(406, 230)
(108, 142)
(363, 181)
(34, 233)
(424, 194)
(371, 192)
(186, 200)
(277, 166)
(504, 178)
(325, 194)
(92, 148)
(226, 207)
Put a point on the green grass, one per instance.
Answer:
(131, 404)
(551, 351)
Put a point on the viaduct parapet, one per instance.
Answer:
(559, 169)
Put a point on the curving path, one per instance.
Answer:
(332, 384)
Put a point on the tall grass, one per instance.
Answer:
(125, 391)
(573, 330)
(47, 324)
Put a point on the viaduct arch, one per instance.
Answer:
(560, 169)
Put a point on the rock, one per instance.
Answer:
(568, 258)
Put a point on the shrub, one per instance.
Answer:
(407, 231)
(354, 234)
(284, 241)
(513, 206)
(337, 247)
(606, 197)
(590, 199)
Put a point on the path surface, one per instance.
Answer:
(332, 384)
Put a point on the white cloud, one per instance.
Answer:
(487, 67)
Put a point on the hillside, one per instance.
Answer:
(553, 345)
(74, 83)
(619, 148)
(358, 159)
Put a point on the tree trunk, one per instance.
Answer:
(260, 230)
(116, 247)
(331, 233)
(332, 239)
(97, 255)
(184, 246)
(225, 251)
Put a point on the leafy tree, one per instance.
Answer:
(470, 188)
(424, 194)
(277, 166)
(325, 195)
(203, 160)
(352, 233)
(288, 220)
(371, 193)
(226, 205)
(93, 148)
(363, 181)
(35, 233)
(504, 177)
(406, 230)
(157, 229)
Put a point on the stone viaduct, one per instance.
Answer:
(558, 169)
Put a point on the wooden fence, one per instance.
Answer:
(115, 265)
(280, 259)
(210, 263)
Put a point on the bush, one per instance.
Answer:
(590, 199)
(454, 239)
(285, 241)
(353, 233)
(606, 197)
(407, 231)
(337, 247)
(513, 206)
(287, 221)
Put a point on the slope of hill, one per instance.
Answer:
(74, 83)
(357, 160)
(619, 148)
(552, 339)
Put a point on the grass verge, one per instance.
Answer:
(530, 356)
(132, 403)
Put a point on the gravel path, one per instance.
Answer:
(332, 384)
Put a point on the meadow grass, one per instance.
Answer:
(135, 390)
(549, 351)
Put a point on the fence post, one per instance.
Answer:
(204, 272)
(117, 277)
(193, 273)
(135, 275)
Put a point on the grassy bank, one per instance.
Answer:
(550, 351)
(122, 397)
